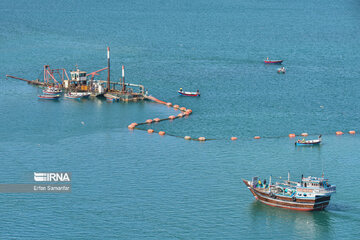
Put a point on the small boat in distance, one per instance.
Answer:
(273, 61)
(304, 142)
(52, 90)
(49, 97)
(281, 70)
(189, 94)
(77, 95)
(310, 194)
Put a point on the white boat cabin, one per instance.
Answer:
(313, 186)
(78, 80)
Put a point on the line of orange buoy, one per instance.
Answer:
(187, 112)
(150, 131)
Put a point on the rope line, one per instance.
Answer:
(187, 112)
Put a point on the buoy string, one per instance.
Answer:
(145, 123)
(187, 112)
(177, 136)
(226, 139)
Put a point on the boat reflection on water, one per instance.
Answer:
(314, 225)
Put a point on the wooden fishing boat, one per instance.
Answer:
(49, 97)
(189, 94)
(268, 61)
(77, 95)
(304, 142)
(310, 194)
(52, 90)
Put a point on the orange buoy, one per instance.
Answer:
(233, 138)
(150, 130)
(183, 109)
(180, 115)
(339, 133)
(202, 139)
(352, 132)
(149, 121)
(171, 117)
(131, 126)
(169, 104)
(156, 119)
(135, 124)
(187, 138)
(189, 110)
(162, 133)
(292, 135)
(176, 106)
(257, 137)
(187, 113)
(304, 134)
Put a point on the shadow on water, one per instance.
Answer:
(339, 207)
(304, 224)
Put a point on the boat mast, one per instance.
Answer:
(288, 176)
(108, 77)
(123, 78)
(270, 183)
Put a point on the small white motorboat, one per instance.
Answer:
(281, 70)
(77, 95)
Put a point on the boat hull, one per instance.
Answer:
(71, 97)
(49, 97)
(307, 143)
(273, 61)
(298, 204)
(189, 94)
(77, 96)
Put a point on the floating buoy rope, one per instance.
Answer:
(187, 112)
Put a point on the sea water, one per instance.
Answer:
(135, 185)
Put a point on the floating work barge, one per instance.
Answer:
(122, 91)
(83, 82)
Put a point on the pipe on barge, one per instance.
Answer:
(34, 82)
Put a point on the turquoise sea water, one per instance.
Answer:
(133, 185)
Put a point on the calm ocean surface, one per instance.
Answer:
(132, 185)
